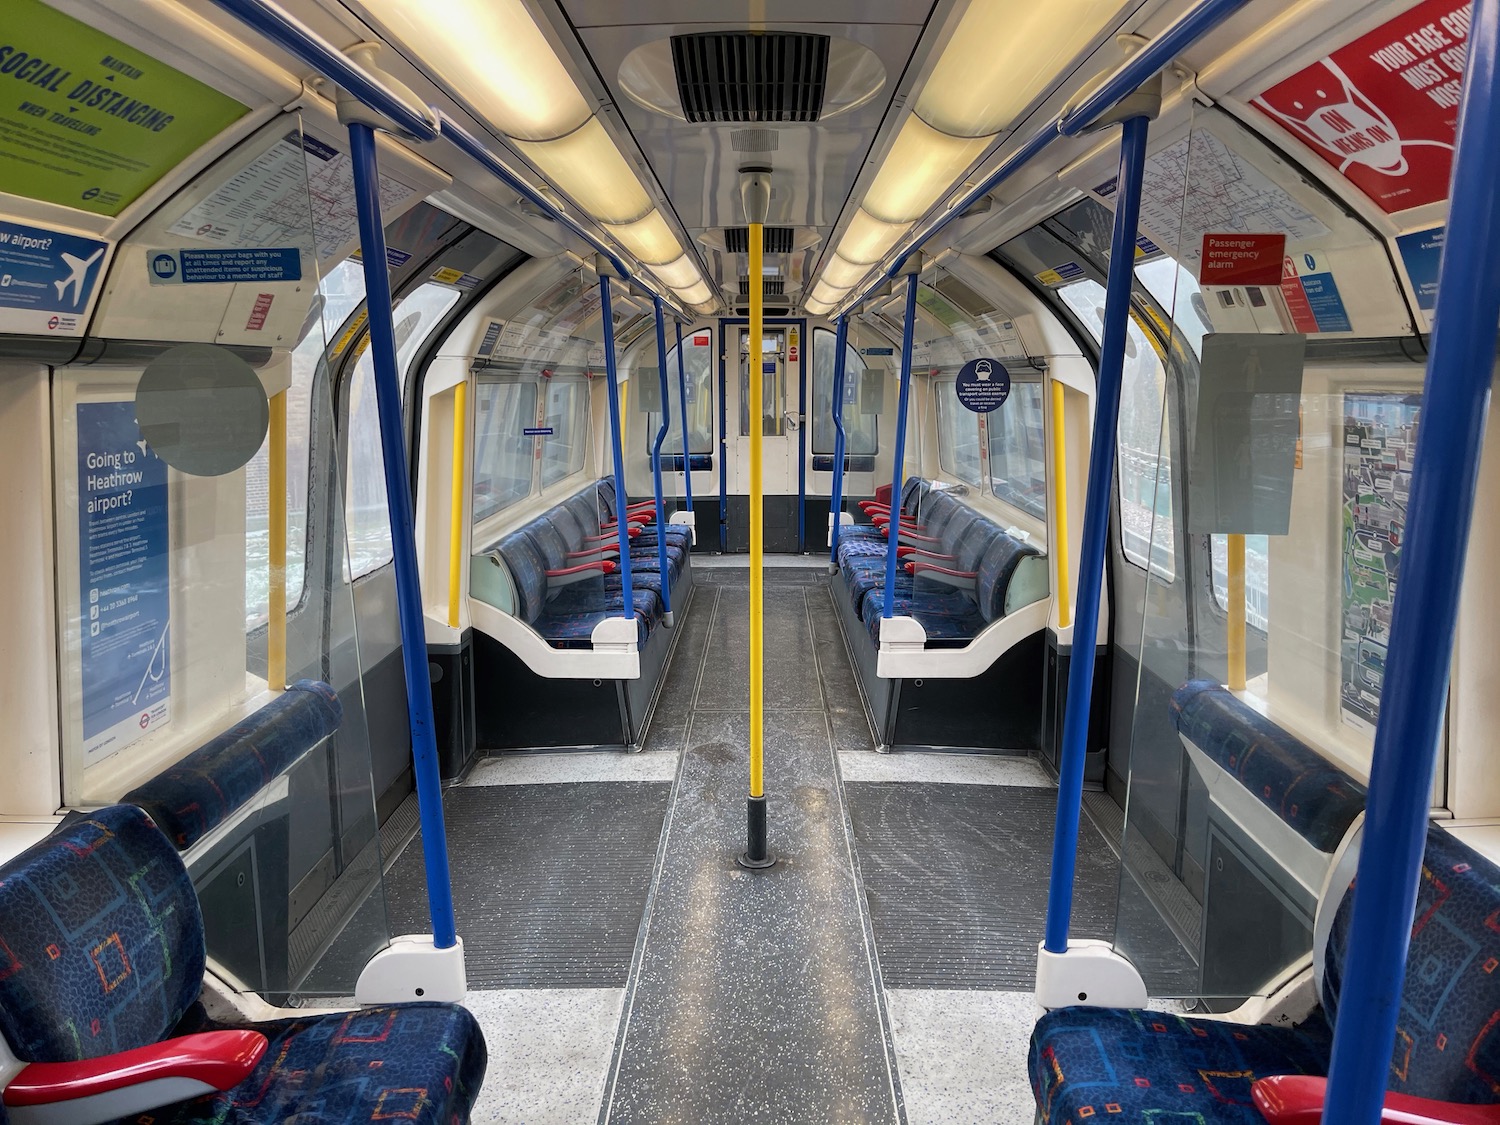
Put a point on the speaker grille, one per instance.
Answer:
(774, 240)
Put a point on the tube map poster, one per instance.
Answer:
(1380, 437)
(87, 122)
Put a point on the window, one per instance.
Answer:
(861, 436)
(367, 521)
(697, 370)
(1257, 585)
(568, 419)
(958, 434)
(503, 452)
(773, 372)
(1018, 450)
(341, 291)
(1176, 291)
(1143, 460)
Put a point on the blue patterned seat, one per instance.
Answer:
(192, 798)
(1317, 799)
(102, 942)
(1140, 1066)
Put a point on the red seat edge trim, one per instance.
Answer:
(1297, 1099)
(221, 1059)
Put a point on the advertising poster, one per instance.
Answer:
(1380, 438)
(46, 279)
(124, 581)
(88, 122)
(1383, 110)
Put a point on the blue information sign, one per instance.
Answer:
(224, 264)
(1422, 253)
(46, 279)
(537, 431)
(124, 580)
(983, 385)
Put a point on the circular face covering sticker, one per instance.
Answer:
(983, 385)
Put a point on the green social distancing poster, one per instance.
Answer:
(88, 122)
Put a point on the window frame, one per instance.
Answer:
(525, 412)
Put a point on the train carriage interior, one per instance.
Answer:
(891, 561)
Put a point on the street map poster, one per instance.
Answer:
(1380, 437)
(87, 122)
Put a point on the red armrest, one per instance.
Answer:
(641, 506)
(631, 532)
(927, 556)
(603, 566)
(918, 538)
(219, 1059)
(601, 549)
(1295, 1099)
(917, 566)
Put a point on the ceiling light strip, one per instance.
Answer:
(1128, 77)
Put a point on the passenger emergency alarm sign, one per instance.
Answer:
(1384, 109)
(1241, 259)
(983, 385)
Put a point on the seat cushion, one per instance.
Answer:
(420, 1063)
(569, 619)
(947, 617)
(1113, 1064)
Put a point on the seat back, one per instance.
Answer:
(101, 939)
(529, 572)
(545, 538)
(1000, 560)
(1448, 1029)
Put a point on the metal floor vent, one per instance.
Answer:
(744, 76)
(774, 287)
(774, 240)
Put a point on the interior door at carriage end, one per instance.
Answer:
(777, 417)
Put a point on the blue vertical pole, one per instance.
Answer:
(1444, 475)
(615, 433)
(893, 532)
(1095, 532)
(661, 436)
(836, 501)
(403, 538)
(687, 453)
(802, 441)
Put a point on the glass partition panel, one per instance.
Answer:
(177, 533)
(1017, 438)
(1274, 483)
(504, 410)
(863, 400)
(565, 428)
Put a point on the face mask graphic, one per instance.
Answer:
(1327, 111)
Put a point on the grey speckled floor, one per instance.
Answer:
(755, 997)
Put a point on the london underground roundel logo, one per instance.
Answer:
(53, 322)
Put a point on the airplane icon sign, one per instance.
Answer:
(78, 271)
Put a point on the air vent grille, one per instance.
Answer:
(962, 296)
(774, 240)
(742, 76)
(754, 140)
(774, 287)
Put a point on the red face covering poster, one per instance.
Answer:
(1384, 109)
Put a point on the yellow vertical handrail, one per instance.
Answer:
(456, 502)
(757, 586)
(1236, 600)
(276, 625)
(1060, 506)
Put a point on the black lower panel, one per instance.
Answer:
(514, 708)
(1000, 709)
(549, 881)
(780, 528)
(956, 877)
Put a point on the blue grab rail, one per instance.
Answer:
(1445, 472)
(403, 537)
(836, 501)
(1095, 532)
(615, 423)
(687, 453)
(893, 532)
(661, 436)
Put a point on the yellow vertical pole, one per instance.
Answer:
(1236, 605)
(757, 585)
(276, 625)
(456, 502)
(1060, 506)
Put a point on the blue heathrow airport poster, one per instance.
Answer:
(125, 580)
